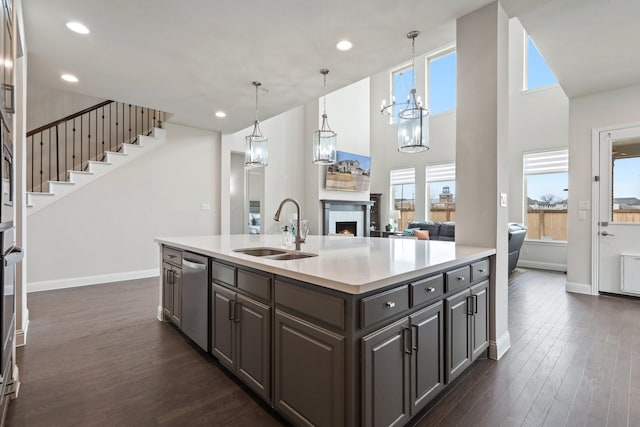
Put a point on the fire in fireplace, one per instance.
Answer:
(347, 227)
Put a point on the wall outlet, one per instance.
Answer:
(205, 207)
(525, 250)
(582, 215)
(503, 200)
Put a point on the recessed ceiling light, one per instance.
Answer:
(344, 45)
(221, 114)
(69, 78)
(77, 27)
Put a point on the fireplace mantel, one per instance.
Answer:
(363, 206)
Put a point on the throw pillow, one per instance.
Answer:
(408, 231)
(421, 234)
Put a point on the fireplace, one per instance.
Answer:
(350, 216)
(347, 227)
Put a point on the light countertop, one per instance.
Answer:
(353, 265)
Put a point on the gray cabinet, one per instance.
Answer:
(241, 337)
(385, 375)
(172, 292)
(403, 367)
(309, 372)
(467, 327)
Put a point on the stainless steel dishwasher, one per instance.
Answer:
(195, 298)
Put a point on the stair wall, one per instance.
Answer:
(104, 230)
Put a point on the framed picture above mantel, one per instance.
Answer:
(352, 172)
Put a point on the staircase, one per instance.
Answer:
(76, 150)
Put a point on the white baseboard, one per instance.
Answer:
(498, 348)
(160, 313)
(578, 288)
(21, 333)
(542, 265)
(74, 282)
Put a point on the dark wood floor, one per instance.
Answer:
(97, 356)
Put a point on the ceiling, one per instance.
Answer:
(193, 61)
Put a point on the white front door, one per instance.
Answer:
(618, 226)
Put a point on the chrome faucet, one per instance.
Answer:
(277, 218)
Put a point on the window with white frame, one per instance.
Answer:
(441, 82)
(538, 73)
(546, 178)
(403, 197)
(441, 192)
(401, 85)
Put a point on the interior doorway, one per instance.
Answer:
(617, 211)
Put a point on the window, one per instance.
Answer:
(401, 85)
(441, 84)
(625, 156)
(538, 72)
(403, 195)
(546, 180)
(441, 192)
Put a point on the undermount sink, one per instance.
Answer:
(272, 253)
(260, 251)
(291, 255)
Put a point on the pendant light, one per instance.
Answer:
(256, 154)
(324, 139)
(412, 118)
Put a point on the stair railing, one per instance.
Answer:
(70, 143)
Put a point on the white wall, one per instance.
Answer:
(47, 104)
(104, 231)
(538, 120)
(611, 108)
(283, 177)
(236, 190)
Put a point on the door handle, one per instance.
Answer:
(194, 265)
(407, 348)
(231, 309)
(470, 305)
(415, 344)
(475, 303)
(13, 257)
(605, 233)
(236, 315)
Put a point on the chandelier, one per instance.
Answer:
(412, 118)
(256, 154)
(324, 139)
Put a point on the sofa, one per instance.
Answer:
(447, 231)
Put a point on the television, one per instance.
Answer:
(351, 172)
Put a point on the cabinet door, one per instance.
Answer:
(222, 327)
(176, 311)
(480, 298)
(253, 325)
(427, 359)
(309, 372)
(458, 334)
(167, 291)
(385, 375)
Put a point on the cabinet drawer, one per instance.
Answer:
(255, 284)
(172, 256)
(458, 278)
(382, 306)
(223, 273)
(426, 290)
(479, 270)
(316, 305)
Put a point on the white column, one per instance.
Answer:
(482, 150)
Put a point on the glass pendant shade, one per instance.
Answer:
(324, 144)
(413, 127)
(256, 153)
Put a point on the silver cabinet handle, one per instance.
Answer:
(194, 265)
(390, 304)
(460, 277)
(430, 289)
(481, 270)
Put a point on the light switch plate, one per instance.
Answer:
(584, 204)
(582, 215)
(503, 200)
(205, 207)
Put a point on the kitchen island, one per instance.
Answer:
(363, 331)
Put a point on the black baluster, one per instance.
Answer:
(103, 150)
(81, 143)
(41, 160)
(33, 149)
(73, 156)
(110, 129)
(136, 132)
(66, 148)
(129, 141)
(49, 165)
(57, 155)
(88, 138)
(116, 126)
